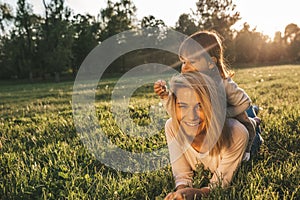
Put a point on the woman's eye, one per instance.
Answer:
(199, 106)
(182, 106)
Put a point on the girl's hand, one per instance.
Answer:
(257, 120)
(160, 88)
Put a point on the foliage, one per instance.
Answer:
(216, 15)
(186, 24)
(43, 157)
(45, 46)
(5, 15)
(85, 38)
(116, 18)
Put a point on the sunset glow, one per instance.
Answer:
(267, 16)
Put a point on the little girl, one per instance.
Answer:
(193, 58)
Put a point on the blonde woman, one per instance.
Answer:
(199, 133)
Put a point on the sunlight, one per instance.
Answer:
(268, 16)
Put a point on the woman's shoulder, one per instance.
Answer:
(169, 128)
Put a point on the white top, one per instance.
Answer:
(184, 158)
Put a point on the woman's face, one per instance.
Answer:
(189, 111)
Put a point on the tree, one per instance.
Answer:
(292, 40)
(218, 15)
(150, 21)
(186, 24)
(85, 38)
(116, 18)
(26, 24)
(5, 15)
(56, 39)
(249, 45)
(276, 50)
(156, 28)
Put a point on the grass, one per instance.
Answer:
(43, 157)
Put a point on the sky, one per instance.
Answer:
(267, 16)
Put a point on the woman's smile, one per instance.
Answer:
(192, 123)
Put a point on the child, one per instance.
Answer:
(193, 59)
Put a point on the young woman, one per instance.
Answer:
(198, 133)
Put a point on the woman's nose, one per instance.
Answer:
(193, 114)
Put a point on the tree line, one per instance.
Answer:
(55, 43)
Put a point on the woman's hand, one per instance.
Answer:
(188, 194)
(174, 196)
(160, 89)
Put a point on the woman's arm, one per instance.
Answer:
(181, 167)
(188, 193)
(231, 156)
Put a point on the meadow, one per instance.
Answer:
(43, 157)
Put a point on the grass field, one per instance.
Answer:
(43, 157)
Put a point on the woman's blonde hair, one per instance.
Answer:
(208, 44)
(212, 103)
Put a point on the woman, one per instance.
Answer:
(199, 133)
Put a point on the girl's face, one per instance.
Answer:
(194, 64)
(189, 112)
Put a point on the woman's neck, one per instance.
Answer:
(198, 145)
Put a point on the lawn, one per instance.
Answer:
(42, 155)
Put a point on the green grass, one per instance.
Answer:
(42, 156)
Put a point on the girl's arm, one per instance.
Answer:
(160, 89)
(237, 99)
